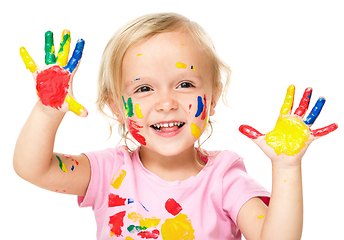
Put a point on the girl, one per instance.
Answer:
(161, 78)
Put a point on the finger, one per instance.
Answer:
(249, 131)
(77, 54)
(28, 61)
(49, 48)
(62, 55)
(315, 111)
(288, 101)
(76, 107)
(304, 103)
(324, 131)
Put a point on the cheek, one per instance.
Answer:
(200, 119)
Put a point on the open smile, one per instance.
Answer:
(168, 129)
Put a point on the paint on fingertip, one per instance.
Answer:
(181, 65)
(260, 216)
(61, 164)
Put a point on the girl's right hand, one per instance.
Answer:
(54, 80)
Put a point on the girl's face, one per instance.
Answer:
(167, 92)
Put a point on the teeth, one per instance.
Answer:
(171, 124)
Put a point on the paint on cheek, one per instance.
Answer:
(138, 111)
(179, 227)
(115, 200)
(118, 178)
(181, 65)
(116, 223)
(61, 164)
(52, 86)
(134, 130)
(289, 136)
(196, 131)
(128, 107)
(260, 216)
(193, 68)
(204, 113)
(173, 207)
(200, 106)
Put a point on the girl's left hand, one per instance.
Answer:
(291, 137)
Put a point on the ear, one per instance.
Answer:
(115, 110)
(215, 98)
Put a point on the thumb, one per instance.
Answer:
(76, 107)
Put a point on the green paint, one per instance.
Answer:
(133, 229)
(66, 38)
(49, 48)
(61, 164)
(128, 107)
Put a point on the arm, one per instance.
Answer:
(34, 159)
(285, 146)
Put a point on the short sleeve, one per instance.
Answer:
(238, 187)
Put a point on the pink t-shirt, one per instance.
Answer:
(130, 202)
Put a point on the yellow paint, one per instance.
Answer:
(118, 178)
(288, 101)
(139, 54)
(144, 222)
(62, 55)
(28, 61)
(129, 238)
(182, 44)
(177, 228)
(138, 111)
(74, 106)
(196, 131)
(180, 65)
(260, 216)
(111, 234)
(289, 136)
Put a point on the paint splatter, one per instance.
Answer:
(173, 207)
(52, 86)
(116, 223)
(61, 164)
(260, 216)
(115, 200)
(200, 106)
(193, 68)
(129, 238)
(144, 222)
(139, 54)
(138, 111)
(143, 207)
(118, 178)
(72, 159)
(72, 168)
(130, 200)
(196, 131)
(135, 229)
(128, 107)
(133, 129)
(179, 227)
(149, 235)
(181, 65)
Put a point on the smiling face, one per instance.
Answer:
(166, 92)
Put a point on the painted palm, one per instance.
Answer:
(54, 80)
(291, 135)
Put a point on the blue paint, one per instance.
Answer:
(72, 168)
(130, 200)
(315, 111)
(200, 106)
(77, 54)
(143, 207)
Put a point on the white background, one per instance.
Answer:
(268, 44)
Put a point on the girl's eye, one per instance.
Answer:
(144, 89)
(185, 85)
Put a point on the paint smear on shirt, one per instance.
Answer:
(118, 178)
(115, 200)
(180, 65)
(173, 207)
(138, 111)
(179, 227)
(129, 238)
(116, 224)
(289, 136)
(149, 235)
(61, 164)
(144, 222)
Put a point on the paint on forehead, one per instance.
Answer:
(128, 107)
(137, 79)
(138, 111)
(289, 136)
(181, 65)
(193, 68)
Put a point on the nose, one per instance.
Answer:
(166, 102)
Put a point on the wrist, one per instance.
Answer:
(49, 111)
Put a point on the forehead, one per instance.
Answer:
(161, 53)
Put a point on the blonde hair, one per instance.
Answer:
(139, 30)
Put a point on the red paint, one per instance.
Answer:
(304, 103)
(190, 106)
(116, 223)
(250, 132)
(148, 235)
(173, 207)
(115, 200)
(204, 113)
(72, 159)
(133, 129)
(52, 86)
(325, 130)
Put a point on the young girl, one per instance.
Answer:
(161, 78)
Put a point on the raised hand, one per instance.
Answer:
(291, 135)
(54, 80)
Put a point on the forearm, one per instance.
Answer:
(284, 218)
(35, 143)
